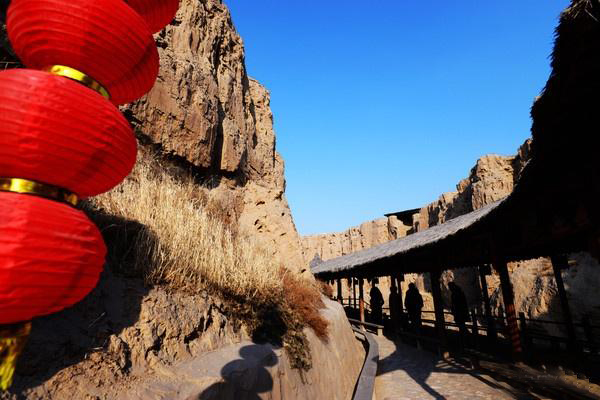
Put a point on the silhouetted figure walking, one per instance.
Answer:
(460, 309)
(376, 302)
(414, 304)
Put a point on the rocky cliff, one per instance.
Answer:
(205, 114)
(492, 178)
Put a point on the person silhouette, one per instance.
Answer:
(414, 304)
(376, 302)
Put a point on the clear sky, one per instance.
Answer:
(381, 106)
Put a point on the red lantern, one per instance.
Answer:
(51, 256)
(103, 39)
(57, 131)
(58, 140)
(157, 13)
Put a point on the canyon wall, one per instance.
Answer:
(492, 178)
(206, 115)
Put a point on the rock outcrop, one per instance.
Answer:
(119, 332)
(204, 113)
(248, 371)
(492, 178)
(126, 341)
(367, 234)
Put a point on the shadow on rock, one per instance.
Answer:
(245, 378)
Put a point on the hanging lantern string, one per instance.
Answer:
(78, 76)
(12, 341)
(25, 186)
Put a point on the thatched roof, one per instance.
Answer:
(566, 112)
(405, 245)
(553, 208)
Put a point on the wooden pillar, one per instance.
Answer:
(361, 300)
(354, 292)
(509, 306)
(438, 305)
(560, 262)
(491, 324)
(589, 333)
(525, 338)
(399, 280)
(339, 291)
(393, 317)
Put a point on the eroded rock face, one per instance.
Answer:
(367, 234)
(175, 347)
(492, 178)
(250, 371)
(206, 113)
(120, 332)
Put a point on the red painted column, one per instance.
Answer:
(361, 300)
(509, 306)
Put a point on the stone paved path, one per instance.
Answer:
(407, 373)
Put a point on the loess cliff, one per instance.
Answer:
(206, 115)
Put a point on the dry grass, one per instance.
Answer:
(181, 243)
(168, 231)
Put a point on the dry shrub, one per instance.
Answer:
(326, 289)
(170, 232)
(304, 298)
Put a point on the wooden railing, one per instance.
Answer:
(530, 331)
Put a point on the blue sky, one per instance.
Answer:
(382, 106)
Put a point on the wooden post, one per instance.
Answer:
(361, 300)
(589, 333)
(394, 317)
(399, 280)
(560, 262)
(475, 329)
(509, 306)
(491, 325)
(354, 292)
(526, 343)
(438, 305)
(339, 291)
